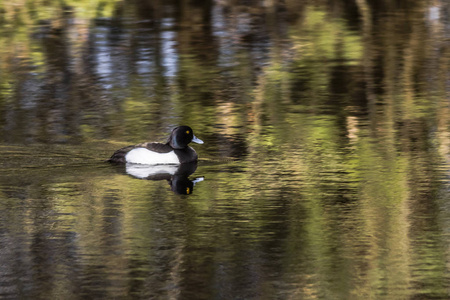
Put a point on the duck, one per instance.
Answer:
(174, 151)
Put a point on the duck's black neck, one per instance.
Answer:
(176, 145)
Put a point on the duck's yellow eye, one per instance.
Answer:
(187, 131)
(187, 191)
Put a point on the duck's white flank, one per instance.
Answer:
(147, 157)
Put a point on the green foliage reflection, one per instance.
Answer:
(326, 154)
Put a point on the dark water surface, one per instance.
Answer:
(325, 172)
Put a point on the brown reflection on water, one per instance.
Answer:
(326, 155)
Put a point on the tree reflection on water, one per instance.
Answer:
(326, 156)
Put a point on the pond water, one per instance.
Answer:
(325, 172)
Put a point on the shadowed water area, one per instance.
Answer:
(325, 172)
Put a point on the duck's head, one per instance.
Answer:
(181, 136)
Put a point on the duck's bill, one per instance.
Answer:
(197, 140)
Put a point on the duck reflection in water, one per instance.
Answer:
(176, 175)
